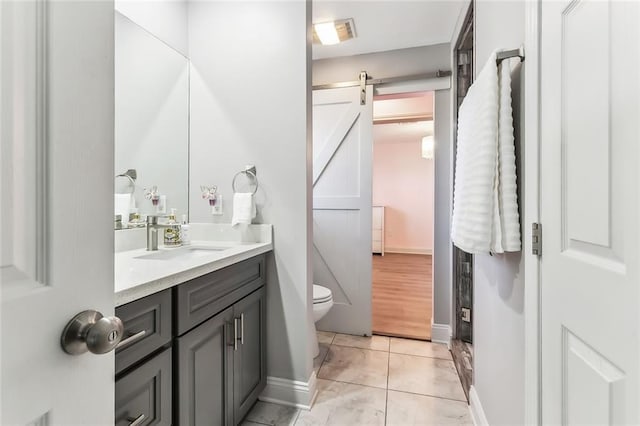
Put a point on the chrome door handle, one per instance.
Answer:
(131, 339)
(137, 420)
(235, 334)
(242, 328)
(92, 332)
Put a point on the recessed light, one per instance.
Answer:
(333, 32)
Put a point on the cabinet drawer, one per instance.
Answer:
(199, 299)
(147, 327)
(144, 394)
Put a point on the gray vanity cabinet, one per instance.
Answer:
(221, 365)
(194, 354)
(220, 348)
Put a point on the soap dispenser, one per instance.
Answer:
(172, 231)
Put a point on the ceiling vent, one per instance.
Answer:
(334, 32)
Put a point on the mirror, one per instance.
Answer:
(151, 122)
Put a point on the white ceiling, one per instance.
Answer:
(388, 25)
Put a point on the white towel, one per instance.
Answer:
(485, 205)
(244, 208)
(122, 206)
(508, 236)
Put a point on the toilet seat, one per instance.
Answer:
(321, 294)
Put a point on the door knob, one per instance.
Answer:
(91, 331)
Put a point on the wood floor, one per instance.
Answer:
(402, 295)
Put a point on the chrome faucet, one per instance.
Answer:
(152, 231)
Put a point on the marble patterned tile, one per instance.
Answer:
(406, 409)
(376, 343)
(355, 365)
(317, 361)
(267, 413)
(325, 337)
(419, 348)
(425, 376)
(342, 404)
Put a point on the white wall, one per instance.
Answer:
(442, 277)
(498, 329)
(396, 63)
(403, 183)
(251, 104)
(165, 19)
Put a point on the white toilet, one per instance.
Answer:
(322, 303)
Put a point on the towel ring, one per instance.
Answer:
(251, 173)
(132, 175)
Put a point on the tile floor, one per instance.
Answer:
(376, 381)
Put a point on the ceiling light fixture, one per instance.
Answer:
(334, 32)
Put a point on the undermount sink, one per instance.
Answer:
(181, 252)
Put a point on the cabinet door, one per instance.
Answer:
(249, 372)
(205, 363)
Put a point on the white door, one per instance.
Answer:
(590, 199)
(342, 165)
(57, 226)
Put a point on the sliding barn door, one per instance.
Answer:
(342, 164)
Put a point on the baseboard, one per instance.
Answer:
(475, 408)
(404, 250)
(441, 333)
(292, 393)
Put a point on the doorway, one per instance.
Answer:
(462, 342)
(402, 215)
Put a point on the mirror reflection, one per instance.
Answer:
(151, 125)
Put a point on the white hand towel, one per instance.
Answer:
(485, 210)
(122, 206)
(244, 208)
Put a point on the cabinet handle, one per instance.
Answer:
(242, 328)
(131, 339)
(235, 334)
(227, 333)
(137, 420)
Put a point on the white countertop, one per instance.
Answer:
(137, 277)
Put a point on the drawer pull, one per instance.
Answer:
(242, 328)
(131, 339)
(137, 420)
(235, 334)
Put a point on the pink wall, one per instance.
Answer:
(403, 183)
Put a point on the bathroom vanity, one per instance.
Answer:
(193, 350)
